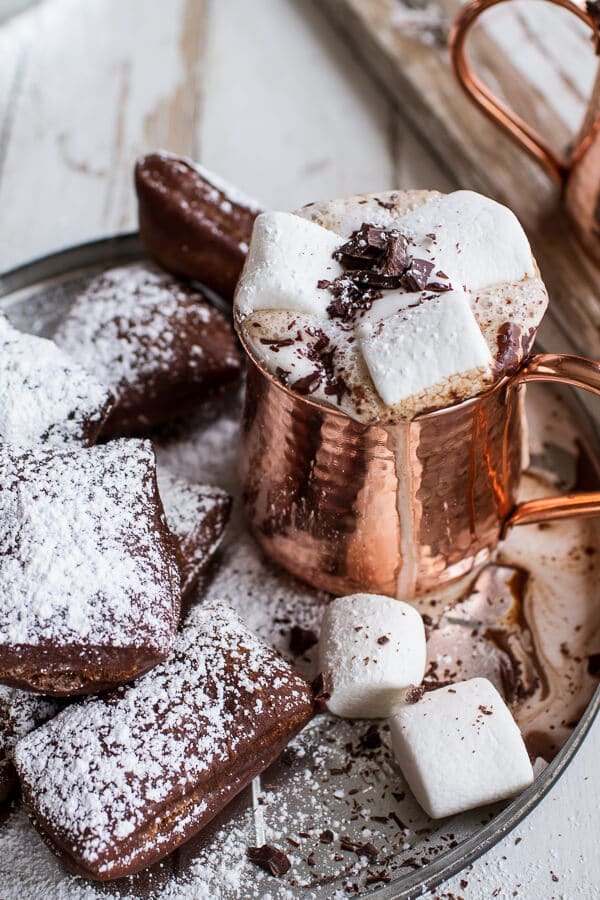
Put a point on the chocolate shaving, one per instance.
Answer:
(308, 384)
(269, 858)
(301, 640)
(322, 688)
(375, 260)
(371, 739)
(358, 847)
(384, 639)
(326, 837)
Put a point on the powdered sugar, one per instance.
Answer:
(231, 194)
(134, 325)
(44, 395)
(87, 562)
(103, 771)
(20, 713)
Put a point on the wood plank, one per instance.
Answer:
(288, 116)
(103, 82)
(413, 67)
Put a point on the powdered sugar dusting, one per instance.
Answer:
(44, 395)
(135, 323)
(196, 515)
(230, 193)
(103, 771)
(87, 562)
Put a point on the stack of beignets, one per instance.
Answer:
(96, 553)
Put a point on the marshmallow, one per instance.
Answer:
(374, 648)
(287, 258)
(421, 346)
(459, 747)
(476, 241)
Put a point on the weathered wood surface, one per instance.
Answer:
(404, 46)
(268, 93)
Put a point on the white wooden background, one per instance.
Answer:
(268, 95)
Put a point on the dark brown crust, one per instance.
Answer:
(232, 781)
(196, 545)
(74, 670)
(181, 389)
(185, 229)
(8, 780)
(92, 430)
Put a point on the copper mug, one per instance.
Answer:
(400, 509)
(579, 175)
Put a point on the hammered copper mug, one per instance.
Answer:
(579, 174)
(401, 509)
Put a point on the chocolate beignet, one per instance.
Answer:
(20, 713)
(155, 342)
(46, 397)
(90, 593)
(191, 222)
(197, 515)
(118, 782)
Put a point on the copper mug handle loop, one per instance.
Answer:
(522, 133)
(576, 371)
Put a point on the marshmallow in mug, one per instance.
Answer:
(373, 648)
(467, 242)
(459, 748)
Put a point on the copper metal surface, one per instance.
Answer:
(399, 509)
(579, 175)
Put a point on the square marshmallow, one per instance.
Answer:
(288, 257)
(459, 747)
(422, 346)
(374, 648)
(476, 241)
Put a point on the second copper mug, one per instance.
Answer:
(402, 509)
(579, 174)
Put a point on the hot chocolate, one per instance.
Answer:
(389, 305)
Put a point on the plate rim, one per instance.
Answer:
(119, 246)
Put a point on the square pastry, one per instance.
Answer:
(89, 585)
(459, 747)
(154, 341)
(20, 713)
(46, 397)
(118, 782)
(197, 515)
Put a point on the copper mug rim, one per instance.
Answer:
(562, 368)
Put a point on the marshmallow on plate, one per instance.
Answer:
(423, 345)
(374, 649)
(459, 747)
(476, 241)
(287, 258)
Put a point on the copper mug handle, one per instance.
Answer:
(499, 112)
(576, 371)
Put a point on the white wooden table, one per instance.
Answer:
(265, 93)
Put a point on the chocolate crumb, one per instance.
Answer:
(269, 858)
(326, 837)
(553, 876)
(366, 849)
(371, 739)
(301, 640)
(384, 639)
(414, 693)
